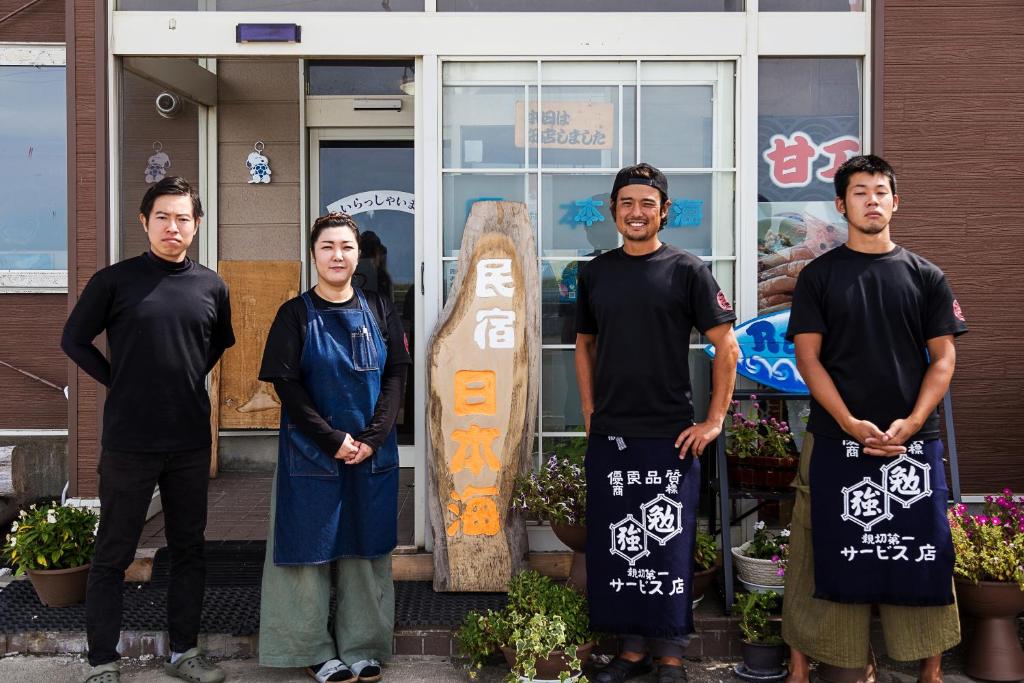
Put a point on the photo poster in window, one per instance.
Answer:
(797, 220)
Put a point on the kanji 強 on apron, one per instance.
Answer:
(641, 516)
(327, 509)
(879, 525)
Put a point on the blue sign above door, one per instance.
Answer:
(765, 355)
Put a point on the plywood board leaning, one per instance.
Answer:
(258, 288)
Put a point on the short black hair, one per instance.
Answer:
(175, 185)
(867, 163)
(332, 220)
(641, 174)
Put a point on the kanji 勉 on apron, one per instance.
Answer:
(879, 525)
(325, 508)
(641, 511)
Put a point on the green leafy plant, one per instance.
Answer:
(770, 545)
(541, 616)
(757, 433)
(51, 537)
(705, 553)
(990, 546)
(557, 492)
(756, 610)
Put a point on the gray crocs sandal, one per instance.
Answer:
(105, 673)
(367, 670)
(195, 667)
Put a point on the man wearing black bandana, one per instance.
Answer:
(637, 306)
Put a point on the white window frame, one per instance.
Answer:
(34, 281)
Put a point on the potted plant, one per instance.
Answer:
(761, 561)
(989, 575)
(543, 631)
(760, 452)
(762, 647)
(53, 545)
(705, 564)
(557, 493)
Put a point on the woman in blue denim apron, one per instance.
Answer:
(335, 491)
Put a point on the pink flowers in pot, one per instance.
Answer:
(990, 546)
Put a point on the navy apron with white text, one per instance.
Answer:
(641, 523)
(325, 508)
(879, 525)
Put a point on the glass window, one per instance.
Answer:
(560, 399)
(483, 126)
(677, 126)
(352, 77)
(809, 122)
(33, 172)
(811, 5)
(576, 218)
(553, 134)
(589, 6)
(462, 190)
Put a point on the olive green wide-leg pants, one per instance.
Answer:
(295, 605)
(838, 633)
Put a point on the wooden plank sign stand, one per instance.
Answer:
(483, 380)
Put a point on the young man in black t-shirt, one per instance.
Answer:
(636, 308)
(873, 325)
(168, 321)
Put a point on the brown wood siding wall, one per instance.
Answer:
(41, 23)
(87, 217)
(31, 342)
(952, 101)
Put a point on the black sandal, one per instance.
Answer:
(672, 673)
(622, 669)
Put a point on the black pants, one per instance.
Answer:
(126, 489)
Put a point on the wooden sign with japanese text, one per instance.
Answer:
(483, 381)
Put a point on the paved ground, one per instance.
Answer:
(28, 669)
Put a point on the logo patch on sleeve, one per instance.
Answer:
(725, 305)
(958, 312)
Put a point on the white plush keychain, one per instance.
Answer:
(159, 162)
(258, 165)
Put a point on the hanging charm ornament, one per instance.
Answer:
(258, 165)
(159, 162)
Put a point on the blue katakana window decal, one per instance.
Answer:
(586, 211)
(686, 213)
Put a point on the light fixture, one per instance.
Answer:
(268, 33)
(408, 82)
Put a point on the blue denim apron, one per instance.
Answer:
(325, 508)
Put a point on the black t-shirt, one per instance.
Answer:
(282, 365)
(876, 313)
(642, 309)
(167, 324)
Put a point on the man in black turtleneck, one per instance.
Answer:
(167, 320)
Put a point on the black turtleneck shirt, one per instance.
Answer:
(167, 325)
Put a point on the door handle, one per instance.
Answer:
(422, 264)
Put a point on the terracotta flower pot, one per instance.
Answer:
(548, 669)
(702, 581)
(574, 536)
(994, 653)
(60, 587)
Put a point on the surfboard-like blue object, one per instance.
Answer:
(765, 355)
